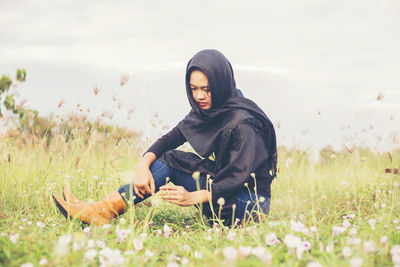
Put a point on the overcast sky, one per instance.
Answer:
(315, 67)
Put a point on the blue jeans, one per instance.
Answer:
(245, 201)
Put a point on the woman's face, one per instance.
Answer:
(200, 89)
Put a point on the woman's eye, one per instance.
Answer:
(193, 88)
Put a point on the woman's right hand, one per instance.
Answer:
(144, 181)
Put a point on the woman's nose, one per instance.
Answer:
(200, 95)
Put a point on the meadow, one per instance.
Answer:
(342, 210)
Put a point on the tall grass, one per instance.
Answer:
(339, 204)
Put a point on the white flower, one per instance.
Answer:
(395, 250)
(209, 238)
(296, 226)
(159, 232)
(314, 264)
(272, 224)
(292, 241)
(306, 245)
(356, 262)
(337, 230)
(384, 240)
(100, 244)
(198, 255)
(167, 231)
(230, 253)
(231, 235)
(369, 246)
(353, 231)
(172, 264)
(77, 245)
(221, 201)
(87, 229)
(329, 248)
(28, 264)
(109, 257)
(148, 253)
(271, 239)
(14, 238)
(185, 261)
(288, 162)
(137, 244)
(90, 244)
(143, 236)
(121, 235)
(62, 247)
(313, 230)
(346, 252)
(396, 260)
(396, 221)
(122, 221)
(354, 241)
(351, 216)
(260, 252)
(90, 254)
(186, 247)
(29, 223)
(244, 251)
(346, 224)
(372, 223)
(43, 261)
(40, 225)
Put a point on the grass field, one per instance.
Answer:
(340, 211)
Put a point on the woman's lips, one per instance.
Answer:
(202, 104)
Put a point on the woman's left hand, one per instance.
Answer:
(177, 195)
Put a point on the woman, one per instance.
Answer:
(237, 147)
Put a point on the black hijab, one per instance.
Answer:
(203, 128)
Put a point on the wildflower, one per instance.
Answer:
(244, 251)
(313, 229)
(167, 231)
(271, 239)
(86, 230)
(372, 223)
(288, 162)
(209, 238)
(121, 235)
(186, 247)
(14, 238)
(337, 230)
(231, 235)
(395, 250)
(172, 264)
(346, 252)
(90, 244)
(78, 245)
(296, 226)
(329, 248)
(351, 216)
(40, 225)
(137, 244)
(185, 261)
(159, 232)
(354, 241)
(43, 261)
(109, 257)
(143, 236)
(396, 260)
(292, 241)
(353, 231)
(369, 246)
(221, 201)
(29, 223)
(396, 221)
(260, 252)
(314, 264)
(28, 264)
(198, 255)
(122, 221)
(90, 254)
(230, 253)
(262, 199)
(100, 244)
(307, 245)
(384, 240)
(346, 224)
(148, 253)
(356, 262)
(62, 247)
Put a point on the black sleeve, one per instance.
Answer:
(171, 140)
(240, 163)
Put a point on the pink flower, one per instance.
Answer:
(346, 224)
(271, 239)
(14, 238)
(314, 264)
(260, 252)
(137, 244)
(292, 241)
(296, 226)
(231, 235)
(395, 250)
(90, 254)
(384, 240)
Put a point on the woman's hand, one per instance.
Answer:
(144, 182)
(177, 195)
